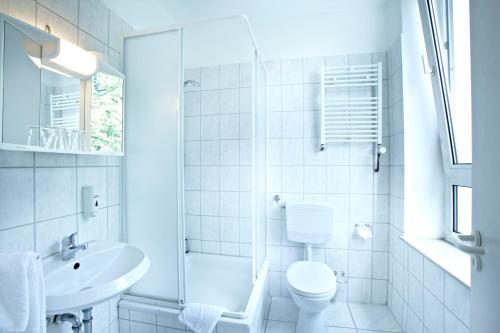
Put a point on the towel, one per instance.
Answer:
(201, 318)
(22, 293)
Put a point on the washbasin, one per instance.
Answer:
(99, 273)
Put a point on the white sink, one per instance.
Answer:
(104, 270)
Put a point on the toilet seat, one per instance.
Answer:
(311, 279)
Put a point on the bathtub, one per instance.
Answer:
(224, 281)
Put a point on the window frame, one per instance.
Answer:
(458, 174)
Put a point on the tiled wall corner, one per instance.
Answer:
(40, 200)
(342, 174)
(421, 295)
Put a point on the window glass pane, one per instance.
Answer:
(453, 27)
(462, 209)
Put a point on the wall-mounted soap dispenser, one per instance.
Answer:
(90, 201)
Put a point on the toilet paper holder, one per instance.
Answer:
(363, 231)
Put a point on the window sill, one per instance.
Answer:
(445, 255)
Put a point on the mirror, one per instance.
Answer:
(21, 88)
(56, 96)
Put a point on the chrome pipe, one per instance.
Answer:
(87, 320)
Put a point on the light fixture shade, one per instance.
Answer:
(74, 59)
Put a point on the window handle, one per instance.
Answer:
(470, 244)
(428, 69)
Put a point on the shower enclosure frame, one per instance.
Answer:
(178, 303)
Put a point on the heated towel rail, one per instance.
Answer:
(351, 106)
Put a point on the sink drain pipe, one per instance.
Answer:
(71, 318)
(87, 320)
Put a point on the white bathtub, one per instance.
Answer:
(210, 279)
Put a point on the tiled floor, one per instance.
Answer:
(340, 317)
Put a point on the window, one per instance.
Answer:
(453, 39)
(462, 209)
(446, 29)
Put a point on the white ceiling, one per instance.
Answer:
(152, 13)
(283, 28)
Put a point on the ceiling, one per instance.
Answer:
(152, 13)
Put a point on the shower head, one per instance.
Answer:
(192, 83)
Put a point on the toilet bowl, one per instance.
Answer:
(312, 286)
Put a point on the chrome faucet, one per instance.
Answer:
(70, 248)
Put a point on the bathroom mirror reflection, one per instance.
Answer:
(56, 96)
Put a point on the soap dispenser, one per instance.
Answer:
(90, 201)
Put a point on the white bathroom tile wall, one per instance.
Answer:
(421, 295)
(40, 193)
(218, 172)
(342, 174)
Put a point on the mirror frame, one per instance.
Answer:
(50, 45)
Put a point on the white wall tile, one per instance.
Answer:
(246, 126)
(209, 178)
(292, 97)
(118, 28)
(229, 152)
(292, 151)
(434, 279)
(229, 178)
(10, 239)
(361, 179)
(210, 127)
(16, 198)
(273, 69)
(192, 178)
(210, 228)
(192, 103)
(312, 69)
(292, 125)
(457, 298)
(312, 97)
(55, 193)
(209, 153)
(291, 71)
(314, 179)
(94, 18)
(114, 223)
(15, 159)
(229, 76)
(210, 78)
(229, 204)
(229, 101)
(246, 75)
(292, 179)
(210, 102)
(433, 313)
(245, 100)
(380, 268)
(58, 26)
(359, 290)
(24, 10)
(192, 153)
(360, 264)
(49, 234)
(379, 292)
(361, 208)
(452, 324)
(210, 203)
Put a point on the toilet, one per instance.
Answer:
(311, 284)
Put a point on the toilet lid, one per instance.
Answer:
(312, 278)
